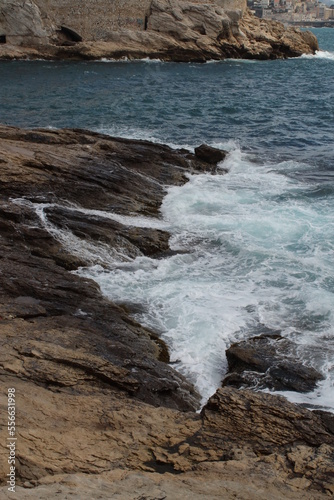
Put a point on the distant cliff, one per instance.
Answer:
(195, 30)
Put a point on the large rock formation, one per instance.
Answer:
(22, 24)
(100, 413)
(174, 30)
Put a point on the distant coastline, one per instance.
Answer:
(192, 31)
(311, 24)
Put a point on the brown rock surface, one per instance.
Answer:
(171, 30)
(99, 413)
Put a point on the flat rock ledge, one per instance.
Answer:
(100, 412)
(170, 30)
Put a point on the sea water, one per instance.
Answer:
(257, 244)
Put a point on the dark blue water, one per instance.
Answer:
(283, 107)
(261, 237)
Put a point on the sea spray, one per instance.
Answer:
(256, 258)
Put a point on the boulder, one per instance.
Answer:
(210, 154)
(269, 361)
(265, 421)
(182, 19)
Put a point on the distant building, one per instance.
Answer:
(292, 11)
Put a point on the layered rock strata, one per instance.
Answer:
(99, 411)
(171, 30)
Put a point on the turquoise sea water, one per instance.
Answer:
(260, 239)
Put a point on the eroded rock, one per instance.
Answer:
(262, 420)
(172, 30)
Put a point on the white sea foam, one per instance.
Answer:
(89, 251)
(320, 54)
(127, 60)
(258, 255)
(112, 60)
(242, 61)
(257, 258)
(229, 60)
(140, 134)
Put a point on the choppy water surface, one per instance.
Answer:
(260, 239)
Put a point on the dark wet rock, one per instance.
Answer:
(269, 361)
(327, 419)
(210, 154)
(52, 162)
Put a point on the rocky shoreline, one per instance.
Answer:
(170, 30)
(100, 412)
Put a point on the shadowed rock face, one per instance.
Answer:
(99, 411)
(171, 30)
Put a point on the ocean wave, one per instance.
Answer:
(320, 54)
(229, 59)
(254, 256)
(141, 134)
(126, 59)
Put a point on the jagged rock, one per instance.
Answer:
(327, 419)
(270, 39)
(46, 163)
(181, 19)
(269, 361)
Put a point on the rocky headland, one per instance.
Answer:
(171, 30)
(100, 413)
